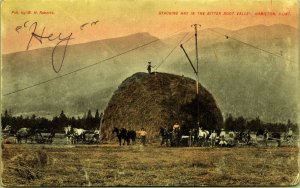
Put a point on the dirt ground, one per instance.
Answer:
(112, 165)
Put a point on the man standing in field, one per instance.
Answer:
(176, 127)
(164, 135)
(290, 133)
(222, 138)
(213, 138)
(266, 137)
(143, 134)
(290, 136)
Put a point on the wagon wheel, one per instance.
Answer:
(43, 140)
(49, 140)
(168, 143)
(293, 141)
(290, 141)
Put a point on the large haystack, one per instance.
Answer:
(160, 99)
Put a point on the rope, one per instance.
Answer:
(171, 51)
(250, 45)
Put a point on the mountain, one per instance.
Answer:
(244, 79)
(76, 93)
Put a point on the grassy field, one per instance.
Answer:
(111, 165)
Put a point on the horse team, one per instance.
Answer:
(78, 135)
(125, 135)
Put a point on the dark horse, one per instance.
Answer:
(277, 137)
(244, 137)
(165, 136)
(176, 137)
(124, 134)
(199, 139)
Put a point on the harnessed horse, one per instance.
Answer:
(244, 137)
(125, 135)
(24, 133)
(7, 130)
(202, 136)
(69, 134)
(79, 135)
(165, 136)
(175, 137)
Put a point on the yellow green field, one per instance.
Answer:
(112, 165)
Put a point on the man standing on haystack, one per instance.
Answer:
(149, 67)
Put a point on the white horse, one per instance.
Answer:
(68, 134)
(7, 129)
(202, 136)
(79, 134)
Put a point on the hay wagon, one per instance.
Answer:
(44, 138)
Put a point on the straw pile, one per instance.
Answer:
(160, 99)
(27, 167)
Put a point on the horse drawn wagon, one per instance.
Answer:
(44, 137)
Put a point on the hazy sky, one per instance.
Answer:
(120, 17)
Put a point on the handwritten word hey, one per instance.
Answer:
(40, 36)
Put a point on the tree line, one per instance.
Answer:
(92, 122)
(57, 124)
(242, 124)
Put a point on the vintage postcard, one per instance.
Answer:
(150, 93)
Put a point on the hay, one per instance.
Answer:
(111, 165)
(28, 166)
(159, 99)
